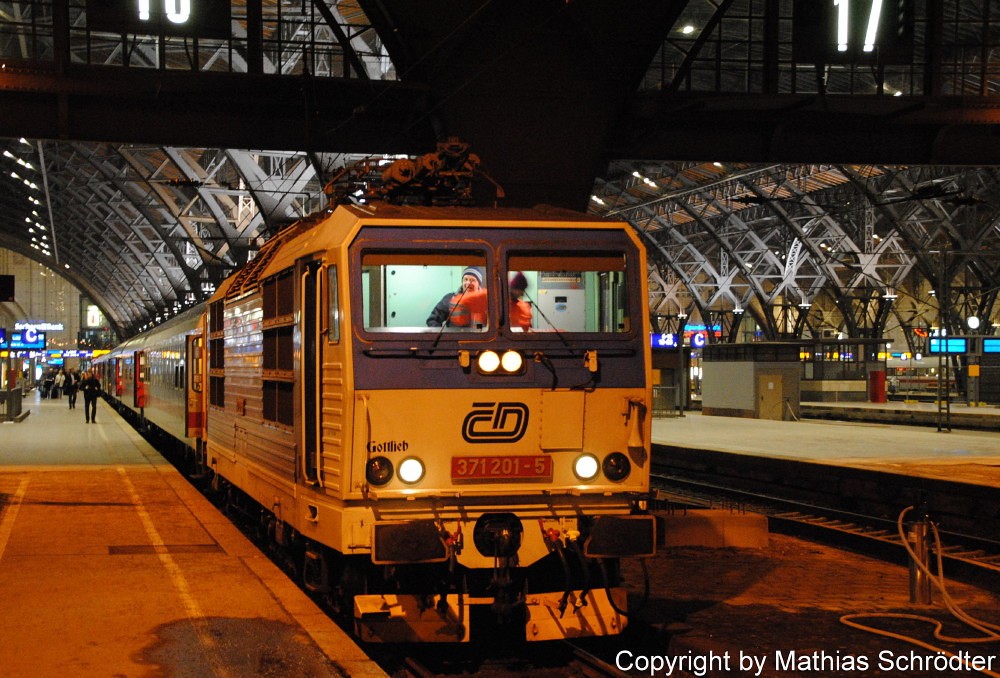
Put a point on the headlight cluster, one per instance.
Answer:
(379, 470)
(490, 362)
(616, 466)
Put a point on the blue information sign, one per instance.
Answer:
(27, 340)
(991, 345)
(949, 345)
(663, 340)
(3, 338)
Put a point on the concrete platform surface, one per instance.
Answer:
(962, 456)
(111, 564)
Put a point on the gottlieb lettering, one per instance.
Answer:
(495, 423)
(388, 446)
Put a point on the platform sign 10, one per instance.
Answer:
(3, 338)
(852, 31)
(950, 345)
(178, 18)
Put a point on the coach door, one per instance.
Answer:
(140, 376)
(312, 362)
(194, 388)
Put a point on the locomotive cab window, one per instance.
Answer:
(568, 292)
(422, 292)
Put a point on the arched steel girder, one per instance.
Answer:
(860, 289)
(949, 219)
(655, 215)
(846, 244)
(743, 254)
(91, 193)
(176, 219)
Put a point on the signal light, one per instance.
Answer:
(378, 471)
(616, 466)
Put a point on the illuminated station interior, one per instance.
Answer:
(812, 185)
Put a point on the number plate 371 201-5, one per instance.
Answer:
(497, 469)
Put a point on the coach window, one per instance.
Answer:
(571, 292)
(333, 306)
(216, 360)
(421, 292)
(278, 323)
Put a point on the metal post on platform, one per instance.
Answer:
(8, 368)
(920, 581)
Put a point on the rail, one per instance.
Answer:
(798, 517)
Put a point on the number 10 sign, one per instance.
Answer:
(178, 18)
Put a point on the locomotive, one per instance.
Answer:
(435, 483)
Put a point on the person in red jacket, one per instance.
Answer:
(448, 312)
(520, 310)
(519, 313)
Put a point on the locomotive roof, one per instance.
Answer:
(303, 237)
(390, 211)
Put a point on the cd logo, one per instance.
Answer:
(495, 423)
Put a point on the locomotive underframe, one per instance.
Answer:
(548, 587)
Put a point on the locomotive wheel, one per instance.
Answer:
(352, 582)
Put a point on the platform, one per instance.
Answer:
(959, 416)
(962, 456)
(112, 564)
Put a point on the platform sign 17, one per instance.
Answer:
(176, 18)
(853, 31)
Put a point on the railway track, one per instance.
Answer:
(549, 660)
(869, 532)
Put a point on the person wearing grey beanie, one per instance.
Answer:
(445, 310)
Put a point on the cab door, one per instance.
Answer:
(311, 363)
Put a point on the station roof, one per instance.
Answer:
(145, 168)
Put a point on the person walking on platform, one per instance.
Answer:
(70, 386)
(57, 387)
(91, 388)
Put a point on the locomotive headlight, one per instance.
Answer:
(488, 362)
(411, 470)
(378, 471)
(616, 466)
(511, 362)
(586, 466)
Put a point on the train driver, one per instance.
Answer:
(449, 312)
